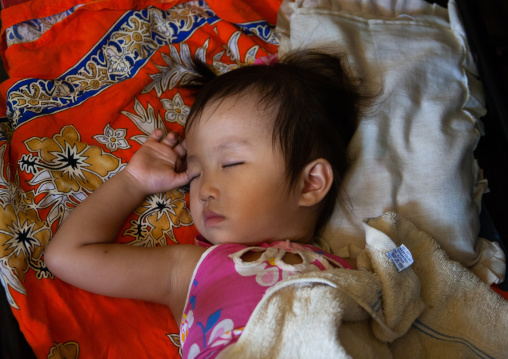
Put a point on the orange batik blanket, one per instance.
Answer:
(89, 80)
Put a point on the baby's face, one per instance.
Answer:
(238, 189)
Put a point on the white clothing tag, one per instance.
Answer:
(401, 257)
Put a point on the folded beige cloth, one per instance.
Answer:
(435, 308)
(413, 150)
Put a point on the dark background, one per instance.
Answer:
(487, 25)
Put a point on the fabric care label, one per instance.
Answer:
(401, 257)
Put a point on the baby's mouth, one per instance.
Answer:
(211, 218)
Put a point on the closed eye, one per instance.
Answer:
(192, 177)
(234, 164)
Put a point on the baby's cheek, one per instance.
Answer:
(194, 211)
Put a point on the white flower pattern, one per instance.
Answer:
(265, 277)
(147, 120)
(222, 328)
(187, 321)
(176, 110)
(269, 268)
(113, 139)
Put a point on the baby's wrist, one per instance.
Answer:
(132, 183)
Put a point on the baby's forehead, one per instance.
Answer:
(246, 101)
(235, 111)
(230, 127)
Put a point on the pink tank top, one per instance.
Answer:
(225, 290)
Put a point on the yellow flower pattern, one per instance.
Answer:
(69, 350)
(158, 215)
(23, 237)
(45, 176)
(65, 170)
(74, 165)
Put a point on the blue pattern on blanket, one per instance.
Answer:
(32, 30)
(124, 50)
(261, 29)
(118, 56)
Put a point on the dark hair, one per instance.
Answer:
(316, 104)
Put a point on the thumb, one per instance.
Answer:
(180, 179)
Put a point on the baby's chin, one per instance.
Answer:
(225, 238)
(231, 240)
(247, 237)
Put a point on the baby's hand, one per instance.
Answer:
(153, 168)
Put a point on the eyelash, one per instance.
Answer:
(234, 164)
(223, 166)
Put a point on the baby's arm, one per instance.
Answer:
(82, 251)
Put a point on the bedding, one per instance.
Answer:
(89, 80)
(413, 152)
(434, 308)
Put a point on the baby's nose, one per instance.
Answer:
(208, 190)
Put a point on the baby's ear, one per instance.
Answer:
(315, 182)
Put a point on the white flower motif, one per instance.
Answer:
(270, 267)
(190, 318)
(193, 351)
(187, 321)
(146, 120)
(265, 277)
(180, 69)
(176, 110)
(221, 334)
(221, 68)
(9, 279)
(229, 336)
(113, 139)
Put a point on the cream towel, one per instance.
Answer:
(436, 308)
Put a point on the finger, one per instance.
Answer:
(180, 164)
(156, 134)
(181, 179)
(181, 150)
(171, 139)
